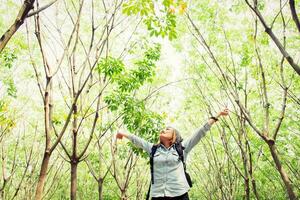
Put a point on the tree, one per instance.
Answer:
(229, 79)
(23, 13)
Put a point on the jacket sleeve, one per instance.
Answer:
(141, 143)
(190, 142)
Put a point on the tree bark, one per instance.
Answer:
(48, 152)
(283, 174)
(247, 189)
(74, 160)
(294, 14)
(100, 189)
(42, 177)
(269, 31)
(253, 182)
(123, 195)
(2, 194)
(254, 188)
(26, 7)
(73, 179)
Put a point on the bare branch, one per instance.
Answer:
(41, 9)
(25, 8)
(269, 31)
(294, 14)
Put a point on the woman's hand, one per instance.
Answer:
(224, 112)
(120, 135)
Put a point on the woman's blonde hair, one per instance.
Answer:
(175, 136)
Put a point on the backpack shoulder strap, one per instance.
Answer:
(153, 150)
(179, 148)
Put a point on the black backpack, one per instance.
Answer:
(179, 148)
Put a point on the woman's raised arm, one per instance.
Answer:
(195, 138)
(137, 141)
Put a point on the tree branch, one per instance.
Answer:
(294, 14)
(41, 9)
(269, 31)
(24, 10)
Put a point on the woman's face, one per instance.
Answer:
(167, 133)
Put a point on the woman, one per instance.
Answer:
(169, 179)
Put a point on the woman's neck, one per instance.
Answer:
(166, 144)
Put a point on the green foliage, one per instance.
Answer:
(56, 120)
(144, 72)
(11, 88)
(7, 120)
(260, 5)
(159, 17)
(264, 40)
(142, 7)
(236, 55)
(3, 110)
(163, 28)
(7, 59)
(246, 58)
(135, 115)
(214, 173)
(128, 81)
(114, 100)
(110, 67)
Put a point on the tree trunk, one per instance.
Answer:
(253, 182)
(100, 189)
(123, 195)
(247, 189)
(2, 194)
(73, 179)
(283, 174)
(246, 176)
(42, 177)
(254, 188)
(74, 160)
